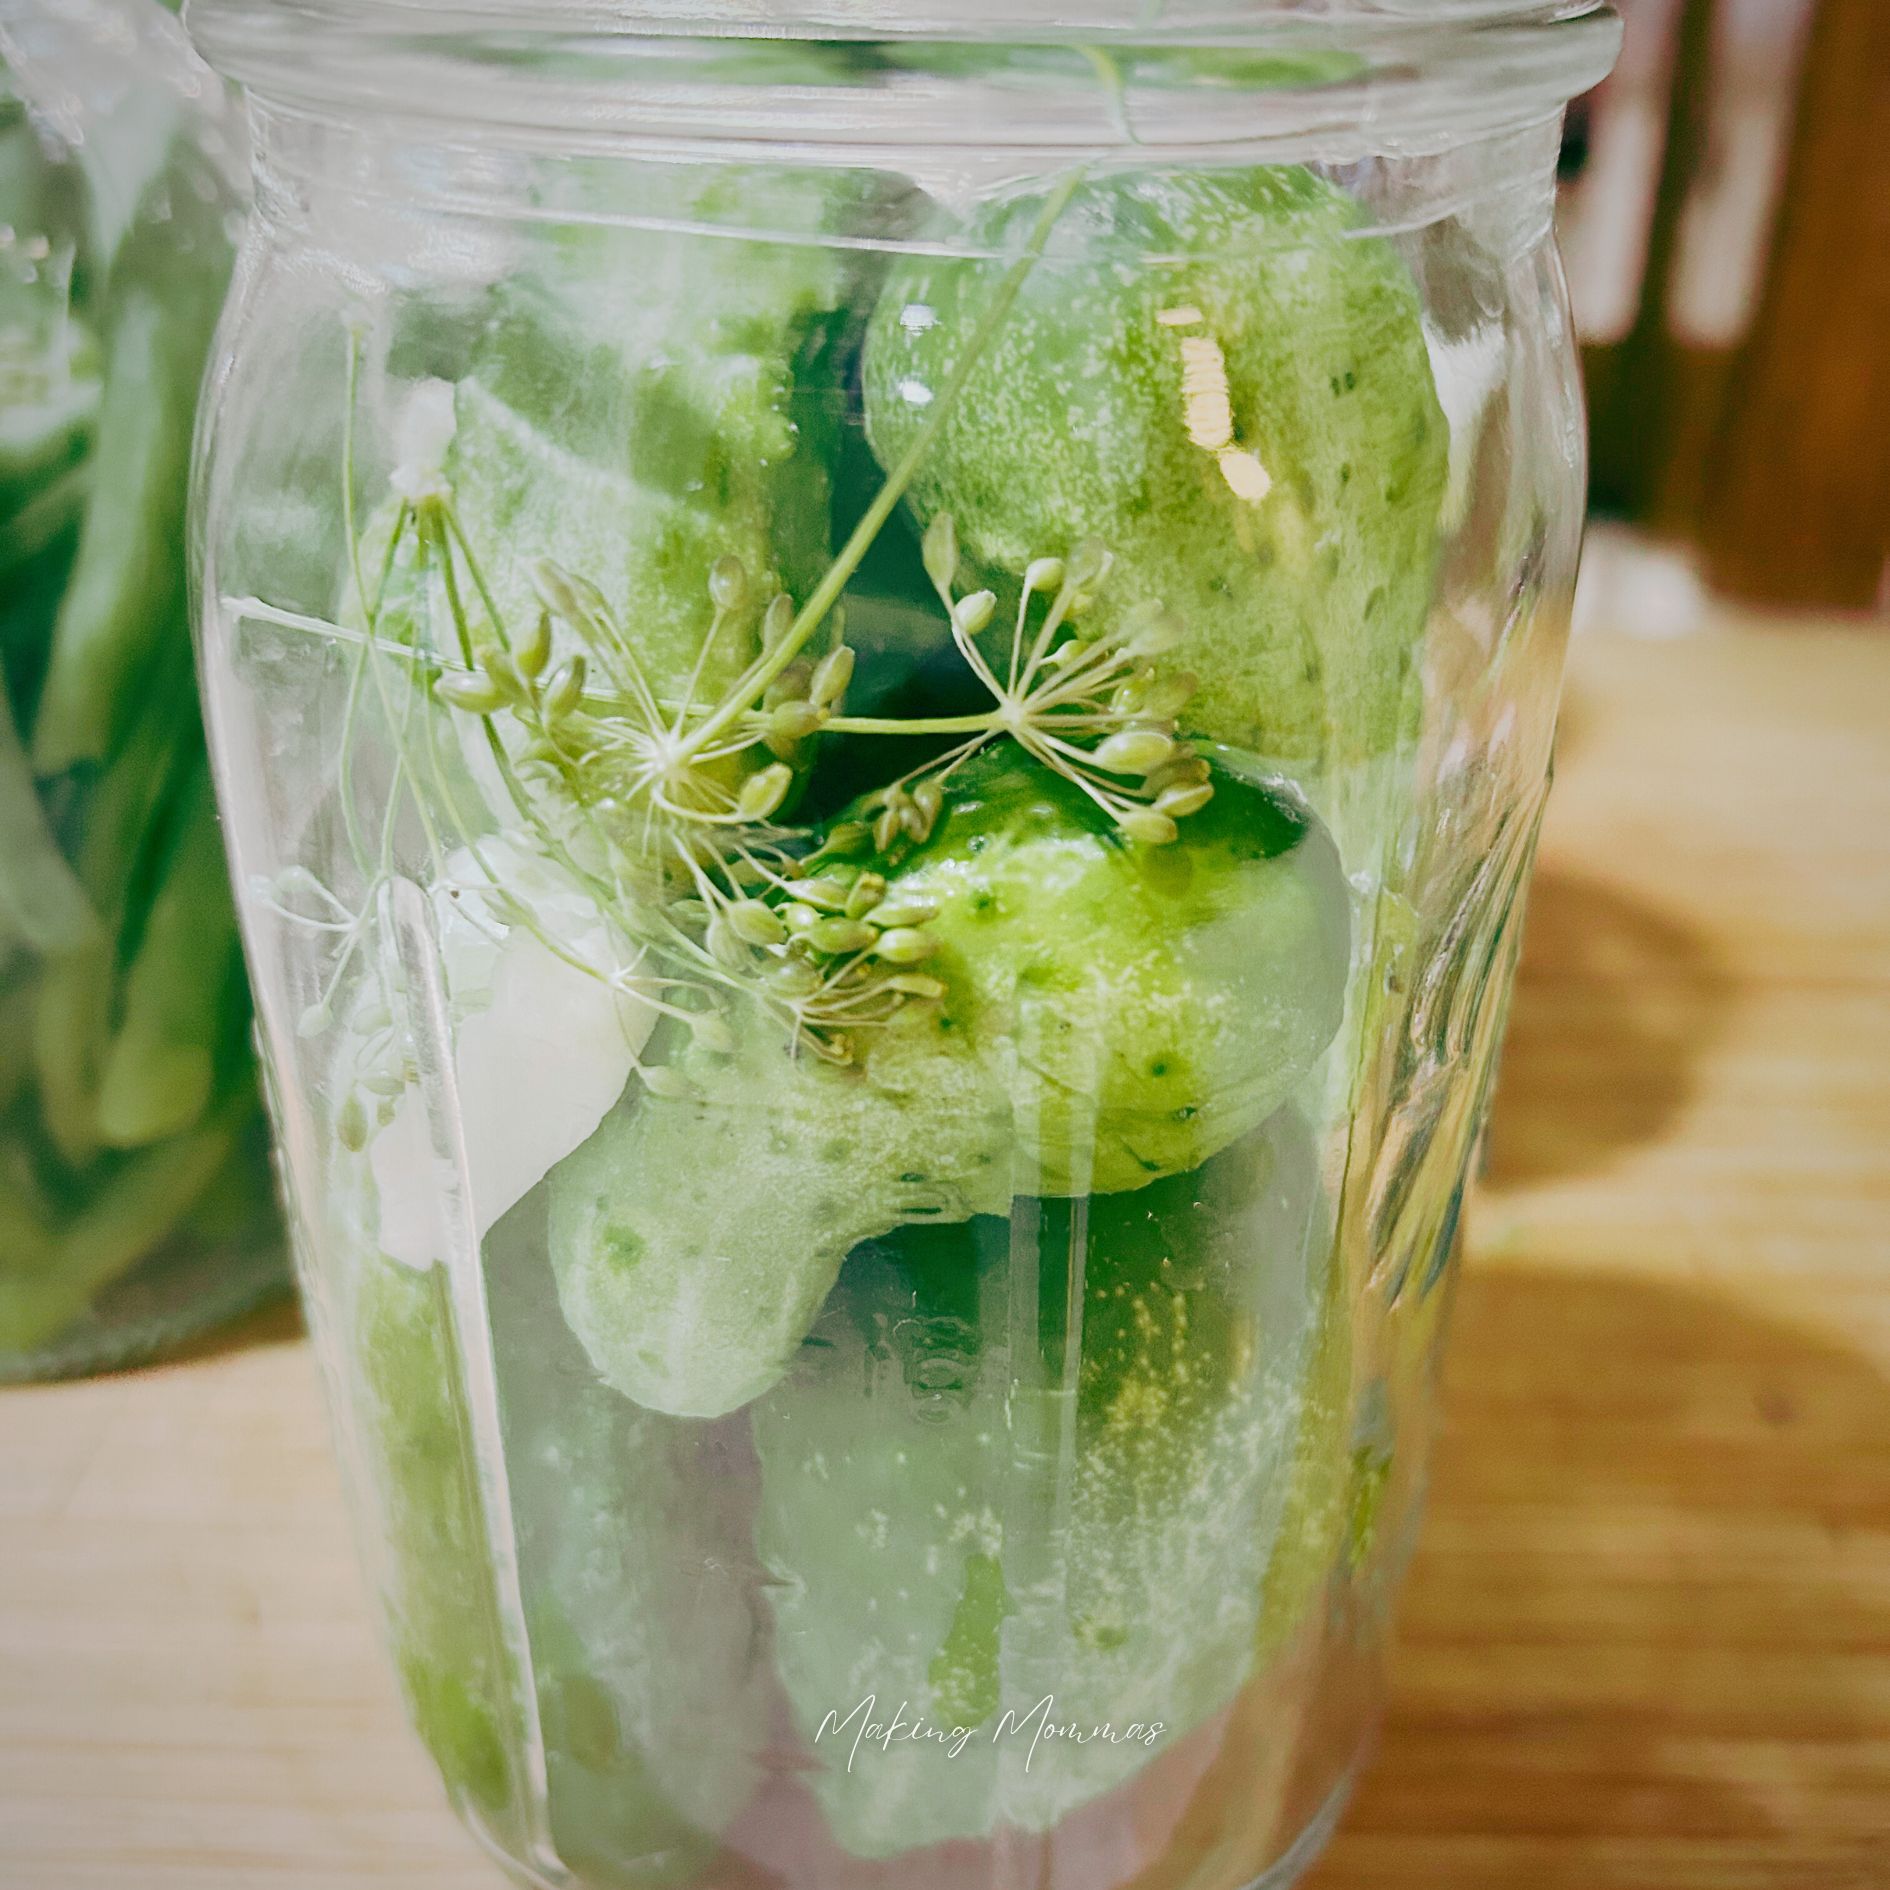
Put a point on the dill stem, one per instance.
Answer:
(986, 722)
(839, 574)
(357, 845)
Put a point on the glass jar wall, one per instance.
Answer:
(883, 705)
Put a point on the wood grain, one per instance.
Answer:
(1797, 506)
(1646, 1642)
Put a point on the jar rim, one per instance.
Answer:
(1236, 78)
(1148, 21)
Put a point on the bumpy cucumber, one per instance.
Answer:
(1230, 388)
(1042, 1457)
(1111, 1014)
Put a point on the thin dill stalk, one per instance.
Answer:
(839, 574)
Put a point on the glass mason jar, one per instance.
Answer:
(882, 685)
(135, 1196)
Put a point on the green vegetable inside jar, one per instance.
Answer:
(135, 1197)
(882, 726)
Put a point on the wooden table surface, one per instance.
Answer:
(1646, 1644)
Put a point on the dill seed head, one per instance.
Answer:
(973, 614)
(728, 583)
(725, 946)
(941, 551)
(1044, 574)
(756, 923)
(793, 978)
(1087, 564)
(1179, 802)
(916, 984)
(791, 685)
(849, 838)
(666, 1084)
(1167, 696)
(841, 937)
(293, 882)
(473, 693)
(1149, 827)
(896, 913)
(556, 590)
(710, 1030)
(777, 620)
(929, 798)
(763, 793)
(868, 890)
(825, 891)
(831, 678)
(1162, 633)
(351, 1124)
(535, 652)
(905, 945)
(499, 665)
(1135, 751)
(1187, 769)
(795, 721)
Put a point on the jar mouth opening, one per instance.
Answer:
(841, 80)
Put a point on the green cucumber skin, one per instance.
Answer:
(703, 434)
(130, 1100)
(439, 1594)
(1113, 1014)
(161, 1068)
(51, 1275)
(1141, 1007)
(648, 1694)
(967, 1505)
(126, 820)
(633, 1529)
(125, 601)
(1305, 609)
(695, 1239)
(43, 906)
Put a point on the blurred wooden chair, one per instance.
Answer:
(1742, 399)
